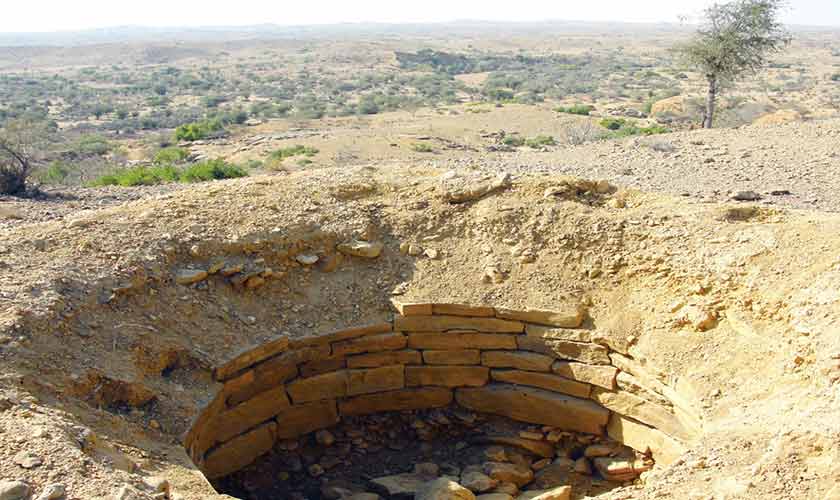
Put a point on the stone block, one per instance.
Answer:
(521, 360)
(460, 340)
(543, 381)
(406, 399)
(446, 376)
(600, 375)
(445, 323)
(319, 366)
(370, 343)
(536, 406)
(240, 418)
(386, 378)
(643, 439)
(642, 410)
(239, 452)
(584, 352)
(268, 374)
(297, 420)
(553, 333)
(349, 333)
(570, 316)
(251, 357)
(453, 357)
(412, 308)
(330, 385)
(385, 358)
(463, 310)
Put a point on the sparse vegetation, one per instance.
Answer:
(147, 176)
(540, 141)
(737, 39)
(170, 155)
(292, 151)
(577, 109)
(422, 147)
(199, 130)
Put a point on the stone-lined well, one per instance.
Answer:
(536, 366)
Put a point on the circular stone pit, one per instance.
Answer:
(540, 367)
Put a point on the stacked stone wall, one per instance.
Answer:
(535, 366)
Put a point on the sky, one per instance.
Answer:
(63, 15)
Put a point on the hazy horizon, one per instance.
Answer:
(57, 16)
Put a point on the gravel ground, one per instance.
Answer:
(795, 165)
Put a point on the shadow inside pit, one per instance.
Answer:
(390, 454)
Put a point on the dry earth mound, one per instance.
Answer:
(123, 327)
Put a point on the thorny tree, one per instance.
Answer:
(20, 148)
(736, 39)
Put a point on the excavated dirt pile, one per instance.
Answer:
(395, 333)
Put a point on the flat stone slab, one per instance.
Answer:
(461, 340)
(445, 323)
(239, 452)
(251, 357)
(584, 352)
(251, 413)
(387, 358)
(520, 360)
(600, 375)
(536, 406)
(543, 381)
(452, 357)
(301, 419)
(405, 399)
(446, 376)
(571, 316)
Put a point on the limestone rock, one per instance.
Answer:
(445, 323)
(14, 490)
(561, 493)
(239, 452)
(443, 489)
(494, 496)
(458, 340)
(571, 316)
(619, 469)
(359, 248)
(476, 191)
(539, 448)
(584, 352)
(130, 493)
(554, 475)
(398, 485)
(27, 460)
(371, 343)
(600, 375)
(329, 385)
(190, 276)
(251, 357)
(301, 419)
(530, 361)
(374, 360)
(446, 376)
(452, 357)
(307, 259)
(385, 378)
(54, 491)
(509, 473)
(665, 450)
(406, 399)
(535, 406)
(478, 482)
(543, 381)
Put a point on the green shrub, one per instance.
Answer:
(170, 155)
(199, 130)
(55, 173)
(835, 77)
(92, 145)
(148, 176)
(577, 109)
(513, 141)
(421, 147)
(296, 150)
(540, 141)
(613, 123)
(211, 170)
(623, 128)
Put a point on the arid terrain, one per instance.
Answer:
(409, 285)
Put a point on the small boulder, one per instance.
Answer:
(561, 493)
(443, 489)
(519, 475)
(478, 482)
(190, 276)
(14, 490)
(359, 248)
(52, 492)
